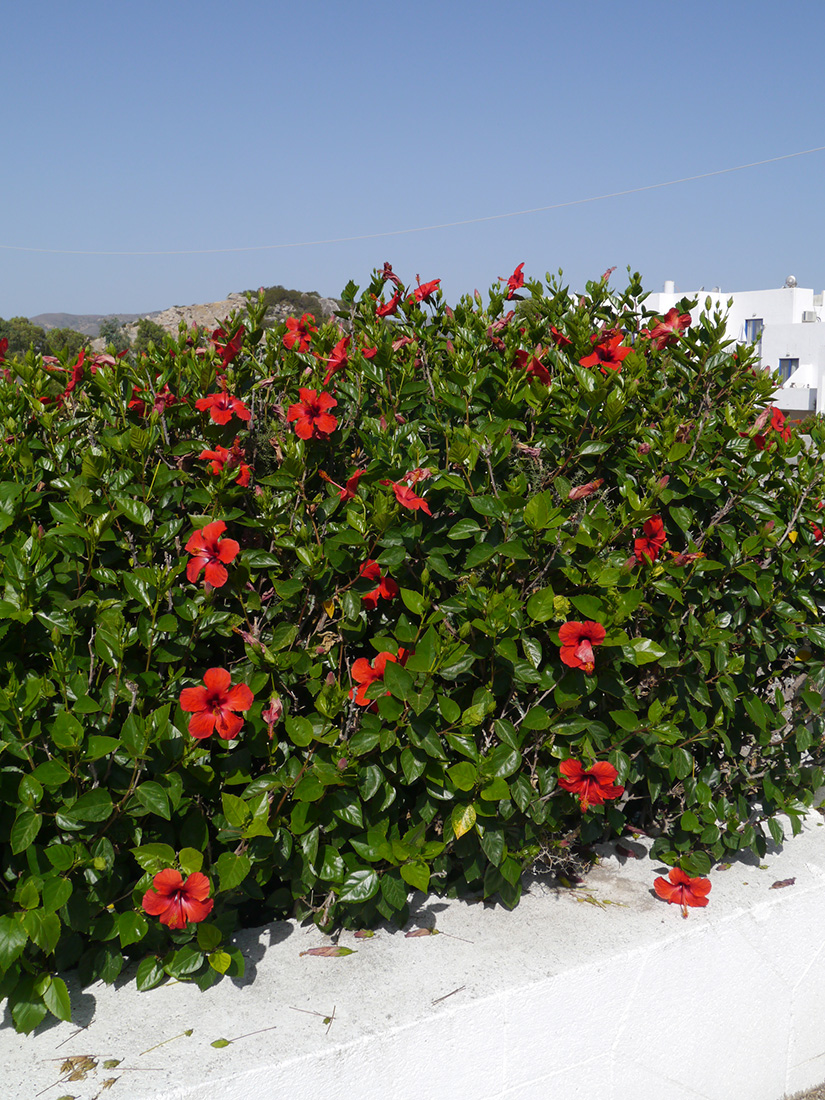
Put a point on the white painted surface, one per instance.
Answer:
(785, 332)
(600, 992)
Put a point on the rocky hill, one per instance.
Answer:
(208, 315)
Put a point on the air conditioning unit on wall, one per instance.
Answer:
(809, 315)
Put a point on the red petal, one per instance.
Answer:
(228, 725)
(215, 574)
(239, 698)
(193, 699)
(217, 680)
(202, 724)
(228, 550)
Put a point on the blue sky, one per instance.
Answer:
(197, 124)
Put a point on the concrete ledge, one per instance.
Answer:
(603, 992)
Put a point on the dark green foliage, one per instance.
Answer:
(444, 776)
(112, 333)
(148, 331)
(23, 336)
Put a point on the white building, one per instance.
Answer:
(785, 325)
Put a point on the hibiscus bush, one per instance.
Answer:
(295, 621)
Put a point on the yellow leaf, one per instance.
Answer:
(220, 961)
(329, 607)
(792, 536)
(463, 818)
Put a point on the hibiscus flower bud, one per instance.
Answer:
(585, 490)
(643, 449)
(399, 419)
(663, 481)
(342, 763)
(330, 679)
(382, 423)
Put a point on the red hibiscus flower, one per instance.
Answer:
(226, 348)
(594, 787)
(684, 558)
(424, 290)
(176, 901)
(160, 401)
(388, 275)
(212, 707)
(4, 347)
(312, 421)
(668, 330)
(233, 459)
(683, 890)
(299, 332)
(606, 351)
(407, 498)
(779, 424)
(387, 588)
(534, 368)
(577, 641)
(365, 674)
(338, 358)
(348, 491)
(818, 536)
(211, 553)
(515, 282)
(559, 339)
(655, 538)
(388, 309)
(586, 490)
(222, 406)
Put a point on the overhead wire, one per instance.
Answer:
(417, 229)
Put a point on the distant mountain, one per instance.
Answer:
(87, 323)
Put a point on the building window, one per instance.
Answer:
(753, 330)
(787, 367)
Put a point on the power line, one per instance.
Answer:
(417, 229)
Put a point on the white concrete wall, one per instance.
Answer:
(603, 991)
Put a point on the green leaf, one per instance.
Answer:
(540, 606)
(56, 892)
(536, 718)
(154, 798)
(56, 999)
(393, 890)
(232, 869)
(131, 927)
(13, 938)
(134, 509)
(95, 805)
(154, 857)
(299, 731)
(235, 810)
(626, 719)
(417, 875)
(414, 601)
(397, 680)
(643, 651)
(360, 885)
(463, 775)
(190, 860)
(150, 973)
(25, 828)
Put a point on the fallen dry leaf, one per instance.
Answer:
(783, 882)
(328, 952)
